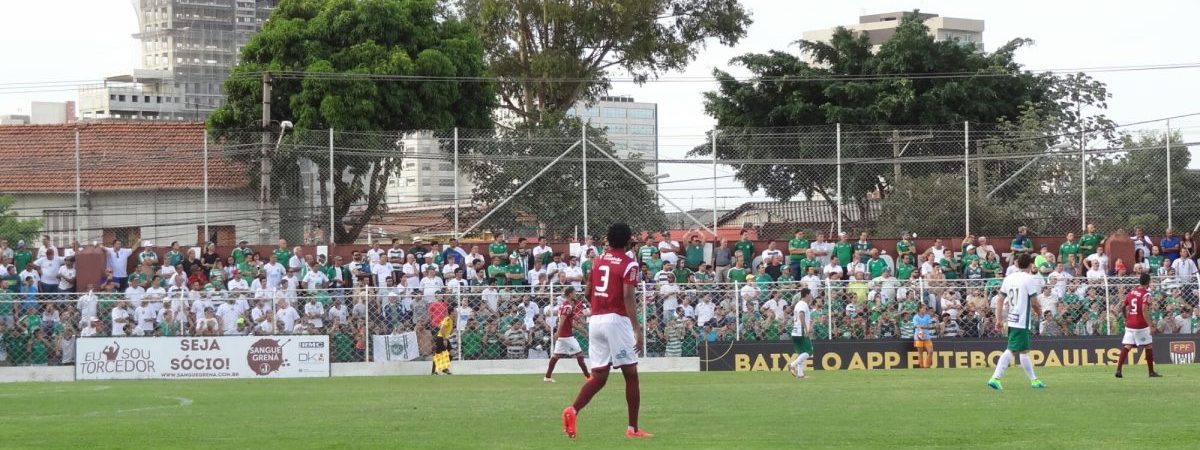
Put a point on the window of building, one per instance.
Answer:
(641, 114)
(410, 181)
(158, 99)
(131, 236)
(410, 164)
(219, 234)
(60, 226)
(641, 130)
(587, 112)
(612, 113)
(425, 182)
(146, 98)
(617, 128)
(112, 97)
(446, 167)
(446, 182)
(121, 98)
(426, 166)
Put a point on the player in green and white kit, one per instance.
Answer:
(801, 332)
(1016, 312)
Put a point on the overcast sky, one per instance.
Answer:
(57, 40)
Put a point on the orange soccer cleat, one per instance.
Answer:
(569, 421)
(637, 434)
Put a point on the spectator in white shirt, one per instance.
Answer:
(770, 252)
(120, 318)
(833, 268)
(1098, 261)
(705, 310)
(285, 313)
(49, 266)
(555, 266)
(1185, 267)
(431, 285)
(314, 312)
(574, 273)
(146, 316)
(541, 248)
(92, 328)
(66, 275)
(668, 248)
(118, 262)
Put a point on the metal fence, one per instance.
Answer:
(378, 324)
(322, 186)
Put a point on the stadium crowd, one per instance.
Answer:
(503, 297)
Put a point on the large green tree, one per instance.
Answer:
(329, 60)
(554, 53)
(12, 227)
(1129, 188)
(912, 82)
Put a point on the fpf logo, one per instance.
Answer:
(1183, 352)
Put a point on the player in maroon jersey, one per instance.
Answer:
(614, 336)
(1137, 326)
(566, 345)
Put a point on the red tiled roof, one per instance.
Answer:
(114, 156)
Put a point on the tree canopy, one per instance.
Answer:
(554, 53)
(12, 227)
(321, 54)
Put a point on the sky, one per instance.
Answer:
(94, 40)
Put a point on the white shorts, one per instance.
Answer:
(567, 346)
(1137, 336)
(611, 341)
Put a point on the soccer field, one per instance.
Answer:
(1082, 408)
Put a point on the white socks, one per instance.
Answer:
(799, 363)
(1028, 366)
(1005, 361)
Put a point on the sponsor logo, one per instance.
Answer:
(311, 358)
(310, 344)
(116, 359)
(266, 356)
(1183, 352)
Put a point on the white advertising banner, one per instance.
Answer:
(395, 347)
(120, 358)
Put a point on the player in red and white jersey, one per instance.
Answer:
(1137, 326)
(614, 336)
(566, 345)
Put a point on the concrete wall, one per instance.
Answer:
(490, 367)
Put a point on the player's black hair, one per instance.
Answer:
(569, 290)
(619, 235)
(1144, 279)
(804, 292)
(1024, 261)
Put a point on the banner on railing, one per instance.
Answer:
(395, 347)
(956, 353)
(202, 357)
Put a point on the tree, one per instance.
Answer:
(12, 227)
(502, 163)
(1130, 188)
(870, 93)
(328, 59)
(554, 53)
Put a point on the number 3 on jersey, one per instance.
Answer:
(602, 289)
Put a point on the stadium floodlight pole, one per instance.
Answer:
(583, 158)
(78, 190)
(839, 177)
(456, 201)
(332, 192)
(205, 134)
(654, 187)
(522, 188)
(1169, 221)
(967, 177)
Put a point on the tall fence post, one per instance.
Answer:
(645, 316)
(583, 152)
(367, 323)
(332, 193)
(828, 310)
(1082, 177)
(456, 201)
(1170, 223)
(1107, 307)
(839, 177)
(78, 190)
(967, 177)
(206, 235)
(714, 171)
(737, 299)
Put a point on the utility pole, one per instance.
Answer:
(264, 187)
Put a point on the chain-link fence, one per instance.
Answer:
(406, 322)
(165, 182)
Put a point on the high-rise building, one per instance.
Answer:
(881, 27)
(145, 95)
(197, 42)
(631, 126)
(426, 175)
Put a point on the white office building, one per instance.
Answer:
(630, 125)
(881, 27)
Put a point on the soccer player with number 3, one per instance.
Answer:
(612, 332)
(1137, 326)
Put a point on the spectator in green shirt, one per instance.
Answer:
(1021, 242)
(905, 246)
(737, 274)
(694, 253)
(1090, 241)
(797, 250)
(655, 263)
(22, 256)
(647, 252)
(904, 267)
(864, 248)
(499, 249)
(1070, 247)
(497, 272)
(282, 253)
(875, 265)
(745, 248)
(843, 250)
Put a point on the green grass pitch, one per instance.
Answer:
(1084, 407)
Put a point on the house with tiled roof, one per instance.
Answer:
(136, 181)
